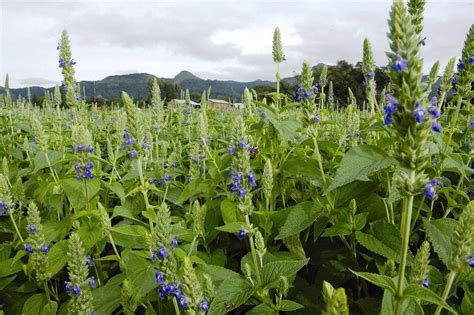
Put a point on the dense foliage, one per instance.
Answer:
(288, 205)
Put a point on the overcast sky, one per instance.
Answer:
(213, 39)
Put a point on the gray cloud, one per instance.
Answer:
(34, 81)
(214, 39)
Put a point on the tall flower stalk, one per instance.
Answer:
(278, 57)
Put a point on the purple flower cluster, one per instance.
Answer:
(75, 288)
(170, 289)
(390, 108)
(63, 63)
(236, 186)
(3, 208)
(84, 173)
(316, 117)
(300, 93)
(162, 181)
(29, 249)
(400, 64)
(128, 143)
(82, 148)
(419, 113)
(434, 113)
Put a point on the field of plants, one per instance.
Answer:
(289, 205)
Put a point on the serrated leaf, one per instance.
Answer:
(233, 292)
(233, 227)
(107, 298)
(218, 273)
(228, 211)
(57, 257)
(373, 244)
(358, 163)
(288, 306)
(262, 309)
(418, 292)
(141, 274)
(300, 217)
(439, 233)
(272, 271)
(379, 280)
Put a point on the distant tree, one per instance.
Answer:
(168, 90)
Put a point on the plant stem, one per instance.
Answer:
(252, 249)
(176, 307)
(113, 246)
(14, 224)
(405, 224)
(447, 288)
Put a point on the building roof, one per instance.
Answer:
(218, 101)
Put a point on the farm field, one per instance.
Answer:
(278, 203)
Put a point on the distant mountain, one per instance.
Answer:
(136, 86)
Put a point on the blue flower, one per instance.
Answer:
(204, 306)
(315, 89)
(241, 193)
(4, 207)
(174, 242)
(231, 149)
(436, 127)
(90, 149)
(174, 165)
(419, 115)
(429, 191)
(72, 62)
(242, 143)
(62, 63)
(153, 256)
(28, 248)
(132, 154)
(387, 119)
(299, 91)
(89, 261)
(32, 229)
(241, 234)
(357, 135)
(471, 59)
(68, 286)
(423, 41)
(370, 74)
(470, 260)
(400, 64)
(251, 178)
(316, 117)
(77, 167)
(80, 147)
(45, 248)
(307, 94)
(298, 99)
(460, 65)
(89, 166)
(158, 277)
(162, 253)
(87, 174)
(426, 283)
(182, 302)
(434, 112)
(453, 80)
(76, 290)
(92, 282)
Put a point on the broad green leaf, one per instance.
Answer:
(8, 267)
(262, 309)
(288, 306)
(57, 257)
(76, 191)
(286, 128)
(50, 308)
(229, 211)
(439, 233)
(272, 271)
(358, 163)
(300, 217)
(233, 227)
(379, 280)
(232, 293)
(422, 293)
(218, 273)
(129, 235)
(373, 244)
(107, 298)
(301, 166)
(34, 304)
(141, 274)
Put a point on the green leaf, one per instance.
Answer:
(141, 274)
(233, 227)
(34, 304)
(379, 280)
(218, 273)
(373, 244)
(288, 306)
(301, 166)
(8, 267)
(358, 163)
(299, 218)
(228, 211)
(262, 309)
(272, 271)
(286, 128)
(76, 193)
(50, 308)
(233, 292)
(57, 257)
(107, 298)
(416, 291)
(439, 233)
(132, 236)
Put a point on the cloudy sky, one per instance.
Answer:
(213, 39)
